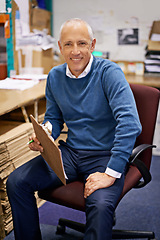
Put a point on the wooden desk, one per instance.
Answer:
(144, 80)
(13, 99)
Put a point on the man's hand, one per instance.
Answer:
(96, 181)
(35, 145)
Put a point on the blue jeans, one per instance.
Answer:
(36, 175)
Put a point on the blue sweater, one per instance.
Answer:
(98, 109)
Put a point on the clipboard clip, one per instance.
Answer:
(47, 126)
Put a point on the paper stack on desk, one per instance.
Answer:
(152, 62)
(13, 153)
(17, 84)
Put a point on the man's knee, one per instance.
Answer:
(14, 182)
(21, 177)
(11, 181)
(100, 205)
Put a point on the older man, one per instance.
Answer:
(93, 98)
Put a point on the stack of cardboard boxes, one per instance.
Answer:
(13, 153)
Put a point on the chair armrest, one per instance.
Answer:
(135, 161)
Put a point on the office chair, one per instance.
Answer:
(138, 175)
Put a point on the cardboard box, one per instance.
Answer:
(32, 58)
(43, 59)
(40, 19)
(154, 45)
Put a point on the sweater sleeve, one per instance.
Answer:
(123, 107)
(53, 113)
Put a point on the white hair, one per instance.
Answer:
(72, 20)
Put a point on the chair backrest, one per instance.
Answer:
(147, 100)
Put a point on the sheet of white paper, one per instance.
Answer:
(155, 37)
(153, 68)
(2, 6)
(24, 15)
(152, 61)
(30, 76)
(9, 83)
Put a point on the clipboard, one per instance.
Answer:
(51, 153)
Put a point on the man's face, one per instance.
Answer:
(76, 46)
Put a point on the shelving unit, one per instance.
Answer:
(10, 53)
(9, 33)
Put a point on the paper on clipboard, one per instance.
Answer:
(51, 152)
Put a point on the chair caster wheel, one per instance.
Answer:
(60, 229)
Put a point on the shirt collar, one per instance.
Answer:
(84, 73)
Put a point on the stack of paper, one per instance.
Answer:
(13, 153)
(152, 62)
(10, 83)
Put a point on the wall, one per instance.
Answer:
(106, 17)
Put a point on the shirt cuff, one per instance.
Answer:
(113, 173)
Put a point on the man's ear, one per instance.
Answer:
(60, 47)
(93, 44)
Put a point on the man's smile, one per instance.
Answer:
(76, 59)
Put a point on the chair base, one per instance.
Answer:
(127, 234)
(116, 234)
(63, 223)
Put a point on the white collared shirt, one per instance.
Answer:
(108, 171)
(84, 73)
